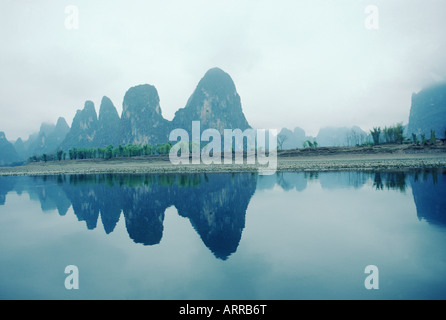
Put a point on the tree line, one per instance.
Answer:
(395, 134)
(387, 135)
(392, 134)
(108, 152)
(377, 136)
(423, 140)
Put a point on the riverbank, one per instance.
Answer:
(320, 159)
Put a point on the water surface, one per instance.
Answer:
(224, 236)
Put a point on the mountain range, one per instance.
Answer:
(326, 137)
(427, 112)
(214, 102)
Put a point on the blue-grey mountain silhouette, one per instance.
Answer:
(108, 128)
(8, 153)
(83, 128)
(141, 120)
(428, 112)
(215, 103)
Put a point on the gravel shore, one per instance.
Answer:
(287, 162)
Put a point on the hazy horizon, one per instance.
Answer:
(308, 64)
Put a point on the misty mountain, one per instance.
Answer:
(108, 127)
(83, 128)
(327, 137)
(428, 111)
(55, 137)
(341, 136)
(8, 153)
(141, 122)
(141, 119)
(293, 139)
(19, 147)
(215, 103)
(48, 139)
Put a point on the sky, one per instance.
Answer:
(306, 63)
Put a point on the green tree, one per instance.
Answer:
(388, 134)
(100, 153)
(147, 149)
(281, 138)
(423, 139)
(398, 133)
(433, 138)
(73, 154)
(120, 151)
(376, 132)
(310, 144)
(59, 155)
(164, 148)
(415, 139)
(109, 152)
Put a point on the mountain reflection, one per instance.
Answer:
(429, 193)
(215, 204)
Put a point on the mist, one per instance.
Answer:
(295, 63)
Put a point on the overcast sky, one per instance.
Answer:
(295, 63)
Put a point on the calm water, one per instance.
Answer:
(224, 236)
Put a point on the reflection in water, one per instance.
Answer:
(390, 180)
(215, 204)
(429, 193)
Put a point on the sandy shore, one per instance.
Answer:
(323, 159)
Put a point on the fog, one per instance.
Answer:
(295, 63)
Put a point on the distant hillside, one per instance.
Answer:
(8, 153)
(341, 136)
(47, 140)
(293, 139)
(428, 111)
(327, 137)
